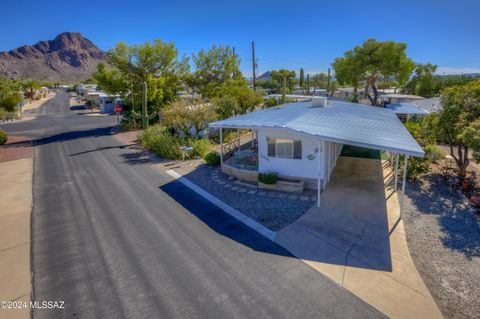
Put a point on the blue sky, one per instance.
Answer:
(287, 34)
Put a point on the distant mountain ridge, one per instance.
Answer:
(69, 57)
(265, 76)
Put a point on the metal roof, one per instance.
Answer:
(431, 105)
(341, 122)
(406, 108)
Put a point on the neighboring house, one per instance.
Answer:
(319, 92)
(431, 105)
(418, 108)
(398, 98)
(348, 93)
(92, 97)
(294, 97)
(83, 88)
(107, 102)
(303, 140)
(313, 91)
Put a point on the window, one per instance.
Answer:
(284, 148)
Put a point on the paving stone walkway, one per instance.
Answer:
(242, 187)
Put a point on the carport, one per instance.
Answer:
(328, 122)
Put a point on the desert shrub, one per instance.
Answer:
(3, 114)
(128, 122)
(3, 137)
(270, 102)
(212, 158)
(200, 146)
(434, 153)
(268, 178)
(416, 166)
(161, 142)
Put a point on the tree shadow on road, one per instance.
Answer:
(72, 135)
(219, 221)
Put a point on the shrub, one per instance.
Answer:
(212, 158)
(268, 178)
(161, 142)
(3, 137)
(201, 146)
(434, 153)
(3, 114)
(270, 102)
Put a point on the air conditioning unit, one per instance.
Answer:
(319, 101)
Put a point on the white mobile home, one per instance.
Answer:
(303, 140)
(107, 102)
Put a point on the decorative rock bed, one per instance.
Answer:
(254, 202)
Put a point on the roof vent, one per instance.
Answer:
(319, 101)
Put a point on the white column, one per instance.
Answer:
(396, 170)
(320, 169)
(221, 146)
(403, 184)
(238, 138)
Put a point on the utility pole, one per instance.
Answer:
(253, 66)
(144, 107)
(284, 90)
(328, 81)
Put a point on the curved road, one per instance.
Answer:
(115, 238)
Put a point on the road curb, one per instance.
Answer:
(259, 228)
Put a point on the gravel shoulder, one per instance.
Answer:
(444, 240)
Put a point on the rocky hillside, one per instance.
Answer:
(69, 57)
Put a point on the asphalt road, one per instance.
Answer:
(115, 238)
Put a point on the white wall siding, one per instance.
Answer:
(332, 151)
(305, 167)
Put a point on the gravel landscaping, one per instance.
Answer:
(274, 210)
(443, 235)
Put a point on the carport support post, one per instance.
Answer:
(320, 156)
(403, 183)
(238, 139)
(221, 146)
(396, 170)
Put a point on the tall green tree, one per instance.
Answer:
(189, 117)
(301, 81)
(279, 75)
(218, 78)
(423, 82)
(372, 60)
(214, 68)
(156, 63)
(459, 123)
(271, 86)
(111, 81)
(234, 97)
(319, 81)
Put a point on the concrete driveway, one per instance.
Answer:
(357, 239)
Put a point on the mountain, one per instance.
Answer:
(265, 76)
(69, 57)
